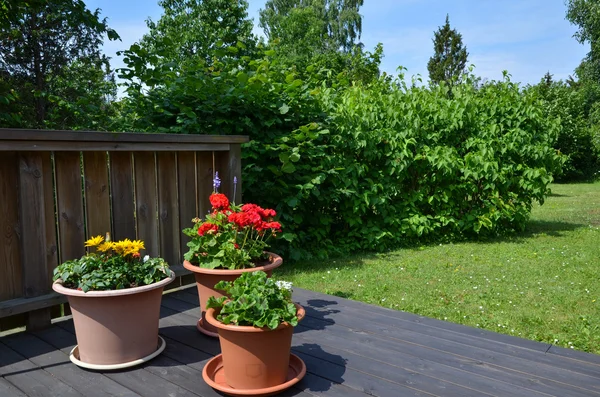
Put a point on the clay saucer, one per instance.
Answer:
(214, 376)
(74, 357)
(201, 328)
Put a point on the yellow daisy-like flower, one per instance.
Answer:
(128, 247)
(94, 241)
(136, 246)
(105, 246)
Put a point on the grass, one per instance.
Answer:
(543, 284)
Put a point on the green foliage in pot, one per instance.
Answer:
(114, 265)
(255, 300)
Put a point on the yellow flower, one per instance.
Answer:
(127, 247)
(94, 241)
(105, 246)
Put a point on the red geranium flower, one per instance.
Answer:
(219, 201)
(207, 228)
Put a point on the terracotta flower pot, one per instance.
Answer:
(254, 358)
(207, 278)
(117, 326)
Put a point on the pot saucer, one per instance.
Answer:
(214, 375)
(74, 356)
(201, 328)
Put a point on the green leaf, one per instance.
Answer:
(284, 109)
(288, 168)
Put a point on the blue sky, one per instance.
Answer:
(525, 37)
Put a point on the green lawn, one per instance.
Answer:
(543, 284)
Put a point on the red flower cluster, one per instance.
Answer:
(264, 213)
(219, 201)
(207, 228)
(255, 216)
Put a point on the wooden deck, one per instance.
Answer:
(350, 349)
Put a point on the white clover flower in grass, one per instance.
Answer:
(287, 285)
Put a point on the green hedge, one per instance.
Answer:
(365, 167)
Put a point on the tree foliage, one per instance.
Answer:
(576, 137)
(43, 45)
(323, 34)
(320, 25)
(198, 29)
(450, 56)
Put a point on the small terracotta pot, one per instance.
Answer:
(117, 326)
(254, 358)
(207, 278)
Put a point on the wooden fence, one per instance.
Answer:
(58, 188)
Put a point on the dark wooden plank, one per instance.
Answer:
(411, 332)
(33, 233)
(69, 197)
(11, 284)
(302, 295)
(428, 379)
(365, 383)
(204, 173)
(10, 257)
(529, 374)
(575, 354)
(375, 359)
(526, 374)
(145, 201)
(145, 382)
(23, 305)
(30, 379)
(232, 162)
(168, 208)
(57, 363)
(121, 191)
(224, 167)
(188, 199)
(18, 134)
(97, 197)
(51, 222)
(331, 368)
(7, 389)
(78, 146)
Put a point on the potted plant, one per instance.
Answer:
(232, 240)
(255, 326)
(115, 295)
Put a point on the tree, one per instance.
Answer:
(450, 58)
(322, 34)
(325, 24)
(586, 15)
(199, 29)
(41, 43)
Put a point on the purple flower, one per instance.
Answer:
(234, 187)
(216, 182)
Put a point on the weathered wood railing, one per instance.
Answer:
(58, 188)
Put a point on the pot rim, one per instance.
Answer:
(212, 320)
(277, 261)
(61, 289)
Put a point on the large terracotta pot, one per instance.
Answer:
(207, 278)
(118, 326)
(254, 358)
